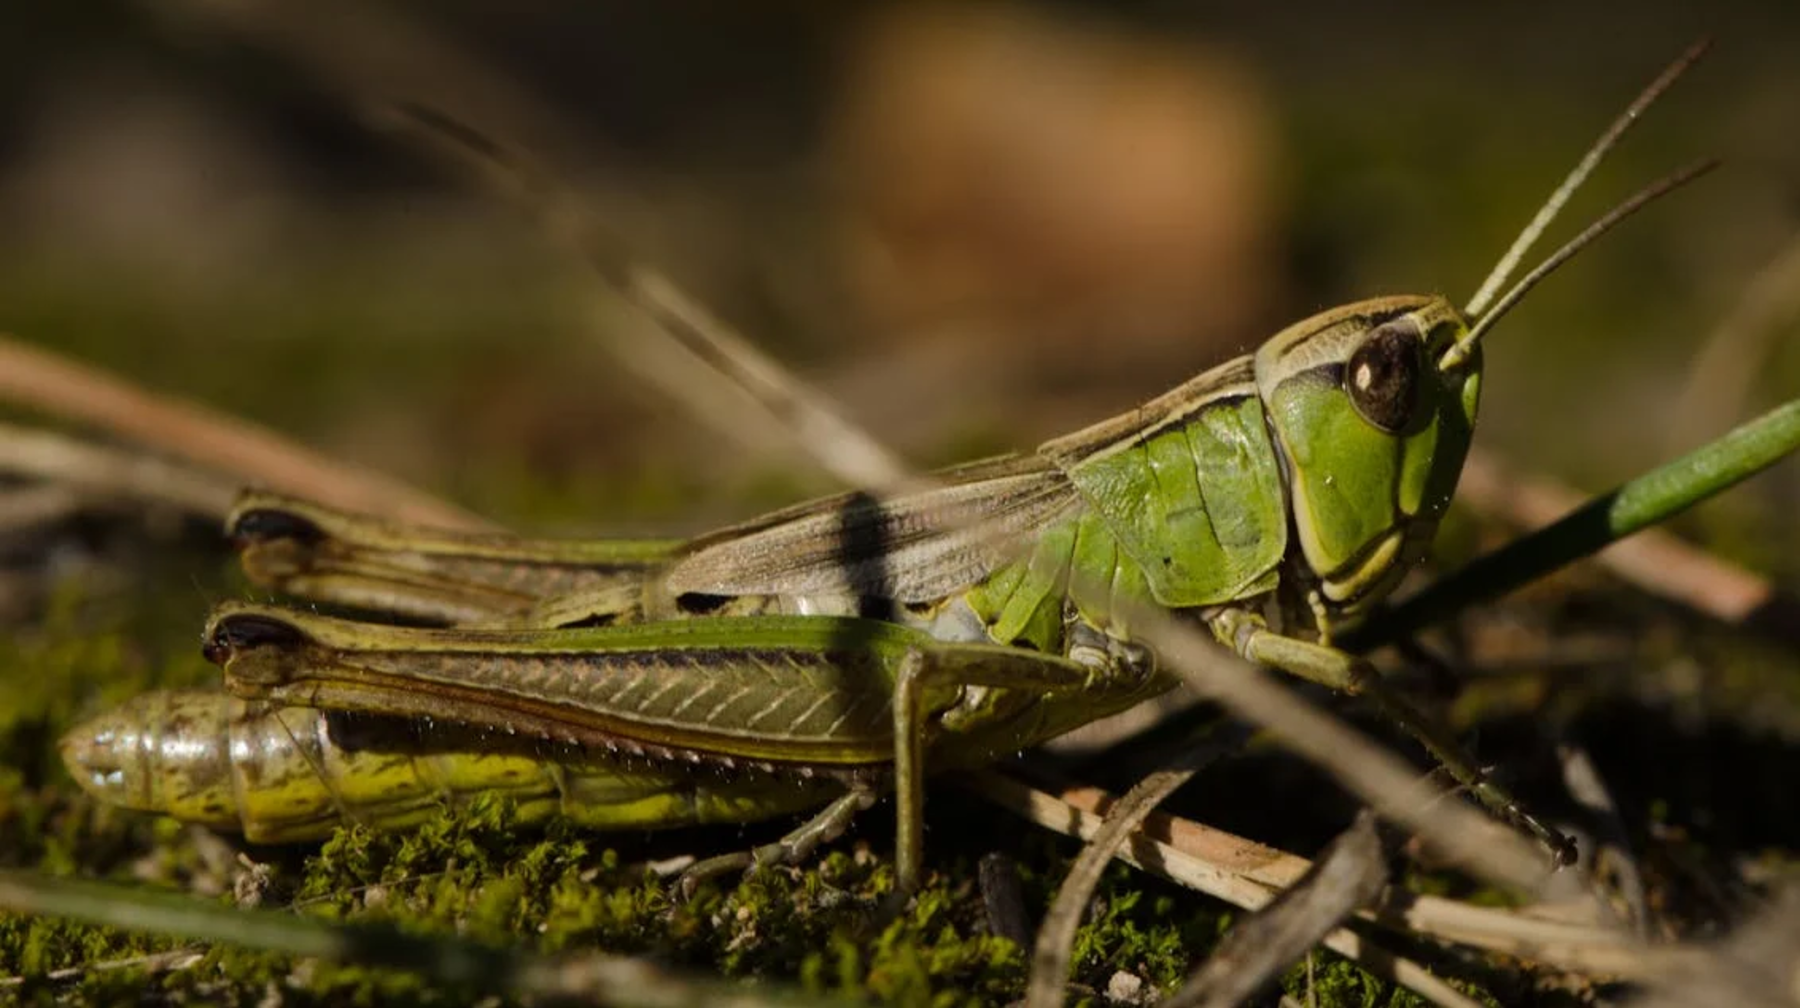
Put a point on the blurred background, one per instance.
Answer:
(979, 225)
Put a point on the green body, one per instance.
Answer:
(1185, 503)
(1290, 487)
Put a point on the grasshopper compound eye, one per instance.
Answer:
(1382, 376)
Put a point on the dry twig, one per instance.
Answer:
(151, 964)
(1348, 874)
(242, 450)
(87, 470)
(1056, 937)
(1612, 843)
(1756, 965)
(1247, 874)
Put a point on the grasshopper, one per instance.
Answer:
(817, 654)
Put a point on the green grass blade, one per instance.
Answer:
(1651, 498)
(452, 963)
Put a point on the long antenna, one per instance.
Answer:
(1459, 351)
(1585, 167)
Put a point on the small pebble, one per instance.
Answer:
(1126, 988)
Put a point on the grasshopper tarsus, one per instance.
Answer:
(796, 848)
(1562, 848)
(707, 869)
(1566, 855)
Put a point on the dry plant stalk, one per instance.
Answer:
(1349, 873)
(230, 446)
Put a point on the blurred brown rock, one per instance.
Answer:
(1050, 203)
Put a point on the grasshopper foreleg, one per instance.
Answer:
(1352, 675)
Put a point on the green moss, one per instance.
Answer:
(1330, 979)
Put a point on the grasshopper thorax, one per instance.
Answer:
(1371, 430)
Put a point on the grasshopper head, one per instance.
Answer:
(1372, 404)
(1372, 426)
